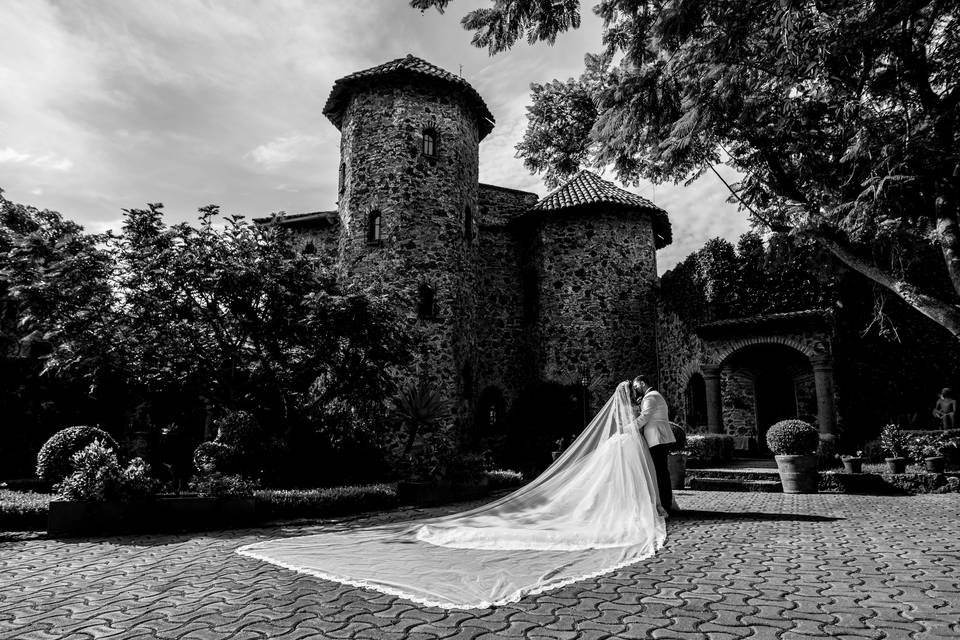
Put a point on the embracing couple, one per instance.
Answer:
(600, 506)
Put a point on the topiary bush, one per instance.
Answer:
(214, 457)
(54, 459)
(792, 438)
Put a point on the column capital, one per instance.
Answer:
(821, 361)
(710, 370)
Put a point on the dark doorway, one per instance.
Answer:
(696, 401)
(544, 414)
(776, 401)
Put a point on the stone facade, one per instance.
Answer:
(521, 295)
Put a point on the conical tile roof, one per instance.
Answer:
(407, 66)
(588, 191)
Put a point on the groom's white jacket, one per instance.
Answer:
(653, 419)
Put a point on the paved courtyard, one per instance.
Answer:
(736, 565)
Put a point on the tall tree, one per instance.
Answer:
(842, 116)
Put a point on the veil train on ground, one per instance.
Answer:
(590, 512)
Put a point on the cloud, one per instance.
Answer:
(45, 161)
(284, 150)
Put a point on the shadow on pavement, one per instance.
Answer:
(694, 515)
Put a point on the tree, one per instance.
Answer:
(841, 115)
(224, 314)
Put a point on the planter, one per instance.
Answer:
(896, 465)
(438, 492)
(853, 465)
(165, 514)
(677, 465)
(798, 474)
(935, 464)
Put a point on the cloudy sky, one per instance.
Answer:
(110, 104)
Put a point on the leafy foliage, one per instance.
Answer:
(213, 457)
(841, 117)
(96, 475)
(792, 438)
(318, 503)
(190, 321)
(23, 510)
(219, 485)
(709, 448)
(55, 459)
(894, 441)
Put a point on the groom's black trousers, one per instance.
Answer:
(659, 454)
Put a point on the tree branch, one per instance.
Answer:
(944, 314)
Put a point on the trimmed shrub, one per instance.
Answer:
(334, 501)
(214, 457)
(23, 510)
(503, 479)
(96, 475)
(217, 484)
(136, 482)
(709, 448)
(54, 459)
(792, 438)
(680, 436)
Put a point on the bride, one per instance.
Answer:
(595, 509)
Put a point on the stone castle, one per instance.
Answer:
(508, 289)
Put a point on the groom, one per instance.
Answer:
(655, 425)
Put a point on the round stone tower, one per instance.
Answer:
(408, 204)
(594, 262)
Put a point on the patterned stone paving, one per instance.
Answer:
(736, 565)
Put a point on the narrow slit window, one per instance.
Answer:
(343, 178)
(374, 227)
(468, 223)
(429, 143)
(427, 301)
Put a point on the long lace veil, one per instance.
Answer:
(591, 511)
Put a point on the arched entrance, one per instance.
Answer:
(777, 366)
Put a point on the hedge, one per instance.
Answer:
(23, 510)
(709, 448)
(282, 504)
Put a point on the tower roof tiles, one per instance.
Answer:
(407, 66)
(587, 190)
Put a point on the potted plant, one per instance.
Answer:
(894, 442)
(930, 450)
(853, 464)
(677, 460)
(794, 445)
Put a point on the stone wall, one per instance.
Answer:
(595, 307)
(422, 201)
(323, 235)
(680, 353)
(505, 352)
(739, 403)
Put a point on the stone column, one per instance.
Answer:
(823, 379)
(711, 379)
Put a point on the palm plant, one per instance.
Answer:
(419, 406)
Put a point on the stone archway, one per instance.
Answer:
(808, 333)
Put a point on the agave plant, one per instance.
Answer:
(419, 406)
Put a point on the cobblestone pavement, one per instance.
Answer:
(736, 565)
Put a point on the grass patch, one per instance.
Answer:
(23, 510)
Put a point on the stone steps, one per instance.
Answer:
(734, 484)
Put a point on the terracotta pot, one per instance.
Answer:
(677, 465)
(935, 464)
(897, 465)
(798, 474)
(853, 465)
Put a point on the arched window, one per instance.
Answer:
(343, 178)
(374, 227)
(309, 249)
(468, 223)
(427, 301)
(429, 143)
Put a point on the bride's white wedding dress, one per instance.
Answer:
(592, 511)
